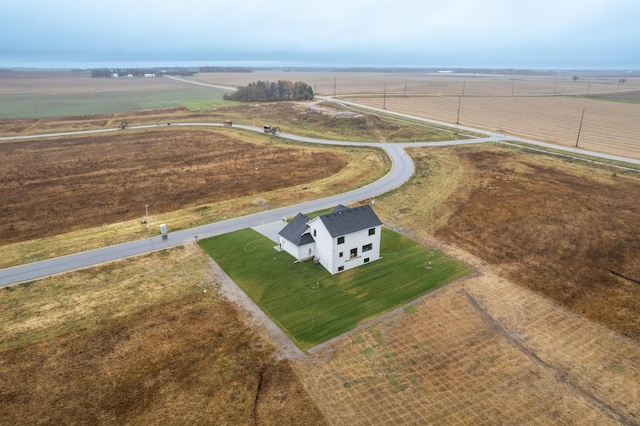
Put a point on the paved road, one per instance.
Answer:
(401, 171)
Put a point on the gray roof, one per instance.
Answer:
(296, 231)
(343, 220)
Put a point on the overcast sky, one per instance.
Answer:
(482, 33)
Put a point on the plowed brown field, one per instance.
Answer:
(608, 127)
(413, 83)
(525, 106)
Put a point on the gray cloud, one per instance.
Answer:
(406, 31)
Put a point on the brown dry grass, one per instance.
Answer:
(487, 350)
(564, 230)
(140, 341)
(53, 187)
(554, 226)
(33, 126)
(484, 351)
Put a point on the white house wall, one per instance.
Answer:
(355, 240)
(324, 243)
(289, 247)
(299, 252)
(306, 251)
(327, 250)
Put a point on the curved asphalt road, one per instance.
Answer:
(401, 171)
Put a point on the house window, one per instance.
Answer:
(353, 253)
(372, 231)
(367, 247)
(341, 254)
(340, 240)
(340, 268)
(366, 259)
(314, 233)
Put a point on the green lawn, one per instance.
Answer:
(313, 306)
(75, 104)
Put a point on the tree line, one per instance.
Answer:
(226, 69)
(265, 91)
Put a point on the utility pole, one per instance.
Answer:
(458, 117)
(384, 98)
(513, 88)
(464, 82)
(580, 129)
(405, 87)
(555, 89)
(146, 211)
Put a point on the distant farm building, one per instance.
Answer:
(341, 240)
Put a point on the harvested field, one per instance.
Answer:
(555, 226)
(140, 341)
(45, 82)
(60, 94)
(338, 83)
(525, 106)
(85, 181)
(484, 351)
(567, 231)
(608, 127)
(487, 350)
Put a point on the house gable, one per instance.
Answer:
(296, 231)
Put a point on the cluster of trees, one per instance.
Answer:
(264, 91)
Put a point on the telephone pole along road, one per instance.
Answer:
(402, 169)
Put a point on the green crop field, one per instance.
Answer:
(44, 105)
(313, 306)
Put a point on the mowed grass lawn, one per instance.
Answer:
(313, 306)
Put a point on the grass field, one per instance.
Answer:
(313, 306)
(90, 103)
(363, 166)
(140, 341)
(545, 333)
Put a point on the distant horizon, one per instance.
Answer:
(479, 34)
(51, 64)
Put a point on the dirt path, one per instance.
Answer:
(285, 348)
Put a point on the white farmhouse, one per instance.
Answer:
(340, 240)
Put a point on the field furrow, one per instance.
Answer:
(607, 127)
